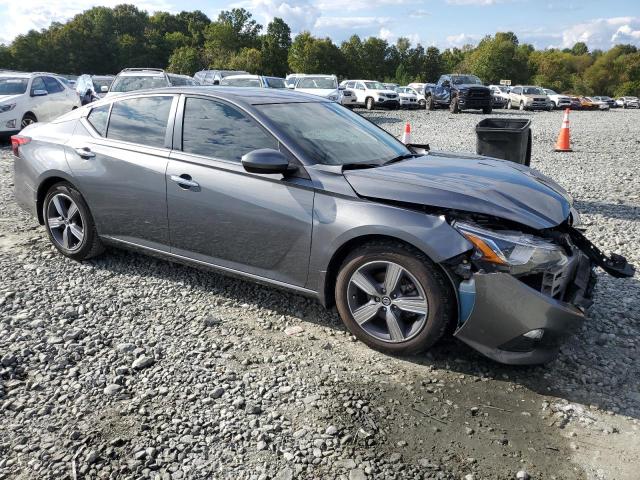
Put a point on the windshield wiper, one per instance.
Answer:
(399, 158)
(357, 166)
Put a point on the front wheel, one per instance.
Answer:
(69, 223)
(508, 104)
(28, 119)
(431, 104)
(369, 103)
(521, 106)
(393, 298)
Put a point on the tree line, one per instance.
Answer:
(104, 40)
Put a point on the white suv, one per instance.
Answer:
(372, 94)
(321, 85)
(559, 101)
(26, 98)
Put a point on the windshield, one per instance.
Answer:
(318, 82)
(130, 83)
(532, 91)
(374, 86)
(465, 79)
(226, 73)
(550, 92)
(332, 135)
(503, 89)
(240, 82)
(101, 82)
(13, 86)
(275, 82)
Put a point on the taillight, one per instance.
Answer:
(16, 141)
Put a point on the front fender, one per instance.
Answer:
(339, 220)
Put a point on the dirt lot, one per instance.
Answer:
(132, 367)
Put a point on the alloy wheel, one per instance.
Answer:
(387, 301)
(26, 121)
(65, 222)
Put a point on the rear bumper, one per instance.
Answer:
(25, 193)
(499, 309)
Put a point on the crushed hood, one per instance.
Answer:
(468, 183)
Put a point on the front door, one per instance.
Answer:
(222, 215)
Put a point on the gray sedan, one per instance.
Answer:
(299, 192)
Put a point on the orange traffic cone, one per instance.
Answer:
(564, 142)
(406, 136)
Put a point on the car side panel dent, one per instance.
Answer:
(338, 220)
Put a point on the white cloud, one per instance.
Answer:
(386, 34)
(462, 39)
(350, 22)
(38, 14)
(603, 32)
(481, 3)
(355, 5)
(299, 15)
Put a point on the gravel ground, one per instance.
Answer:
(132, 367)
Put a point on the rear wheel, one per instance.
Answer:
(69, 223)
(393, 298)
(28, 119)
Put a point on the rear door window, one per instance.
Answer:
(140, 120)
(217, 130)
(98, 118)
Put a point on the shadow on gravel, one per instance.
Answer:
(611, 210)
(577, 375)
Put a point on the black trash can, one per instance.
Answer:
(506, 138)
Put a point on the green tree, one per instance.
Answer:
(433, 65)
(185, 60)
(313, 55)
(275, 48)
(352, 52)
(248, 60)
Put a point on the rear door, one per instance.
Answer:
(222, 215)
(119, 156)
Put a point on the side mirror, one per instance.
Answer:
(39, 93)
(104, 89)
(265, 160)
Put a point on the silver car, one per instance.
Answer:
(296, 191)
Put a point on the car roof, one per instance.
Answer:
(137, 72)
(243, 76)
(14, 73)
(244, 96)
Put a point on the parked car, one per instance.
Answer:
(309, 196)
(589, 103)
(576, 104)
(213, 77)
(628, 102)
(372, 94)
(528, 97)
(325, 86)
(419, 93)
(459, 92)
(26, 98)
(131, 79)
(248, 80)
(390, 86)
(93, 87)
(408, 97)
(559, 101)
(608, 100)
(501, 91)
(181, 80)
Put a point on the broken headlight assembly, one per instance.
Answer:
(510, 251)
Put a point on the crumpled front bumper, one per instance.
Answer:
(500, 309)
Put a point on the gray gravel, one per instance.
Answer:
(132, 367)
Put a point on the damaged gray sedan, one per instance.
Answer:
(298, 192)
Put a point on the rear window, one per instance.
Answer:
(275, 82)
(140, 120)
(13, 86)
(98, 118)
(53, 86)
(130, 83)
(240, 82)
(317, 82)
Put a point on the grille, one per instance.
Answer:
(478, 93)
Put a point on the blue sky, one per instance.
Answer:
(443, 23)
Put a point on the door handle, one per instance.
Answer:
(85, 152)
(185, 181)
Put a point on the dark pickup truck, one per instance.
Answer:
(459, 92)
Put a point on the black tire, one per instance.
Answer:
(509, 107)
(422, 104)
(438, 292)
(369, 104)
(431, 105)
(522, 107)
(90, 245)
(27, 120)
(454, 107)
(487, 110)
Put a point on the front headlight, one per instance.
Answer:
(514, 252)
(7, 107)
